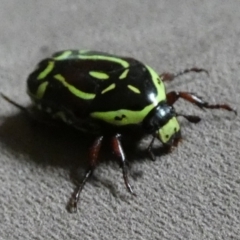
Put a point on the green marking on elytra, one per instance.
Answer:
(124, 63)
(161, 93)
(63, 56)
(74, 90)
(46, 71)
(126, 116)
(123, 117)
(99, 75)
(110, 87)
(124, 74)
(41, 90)
(168, 130)
(134, 89)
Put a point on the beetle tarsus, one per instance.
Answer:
(170, 76)
(75, 197)
(126, 181)
(94, 152)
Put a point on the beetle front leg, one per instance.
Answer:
(166, 76)
(94, 152)
(173, 96)
(149, 149)
(118, 151)
(166, 148)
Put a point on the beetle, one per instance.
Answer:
(107, 96)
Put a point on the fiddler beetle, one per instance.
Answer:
(107, 96)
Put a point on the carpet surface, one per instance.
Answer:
(192, 193)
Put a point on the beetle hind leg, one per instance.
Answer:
(22, 108)
(94, 152)
(118, 151)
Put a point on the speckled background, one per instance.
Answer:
(192, 193)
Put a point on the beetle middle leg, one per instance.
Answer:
(94, 152)
(166, 76)
(118, 151)
(173, 96)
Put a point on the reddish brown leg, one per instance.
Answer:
(172, 97)
(170, 77)
(94, 152)
(118, 151)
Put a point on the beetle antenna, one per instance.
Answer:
(190, 118)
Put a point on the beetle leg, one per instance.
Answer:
(31, 113)
(24, 109)
(149, 149)
(118, 151)
(173, 96)
(94, 152)
(170, 76)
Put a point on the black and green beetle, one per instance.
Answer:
(107, 96)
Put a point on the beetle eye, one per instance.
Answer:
(167, 132)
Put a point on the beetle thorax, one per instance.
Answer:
(158, 117)
(163, 123)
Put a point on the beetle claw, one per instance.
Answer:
(72, 206)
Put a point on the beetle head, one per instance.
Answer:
(162, 122)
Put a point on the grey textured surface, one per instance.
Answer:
(192, 193)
